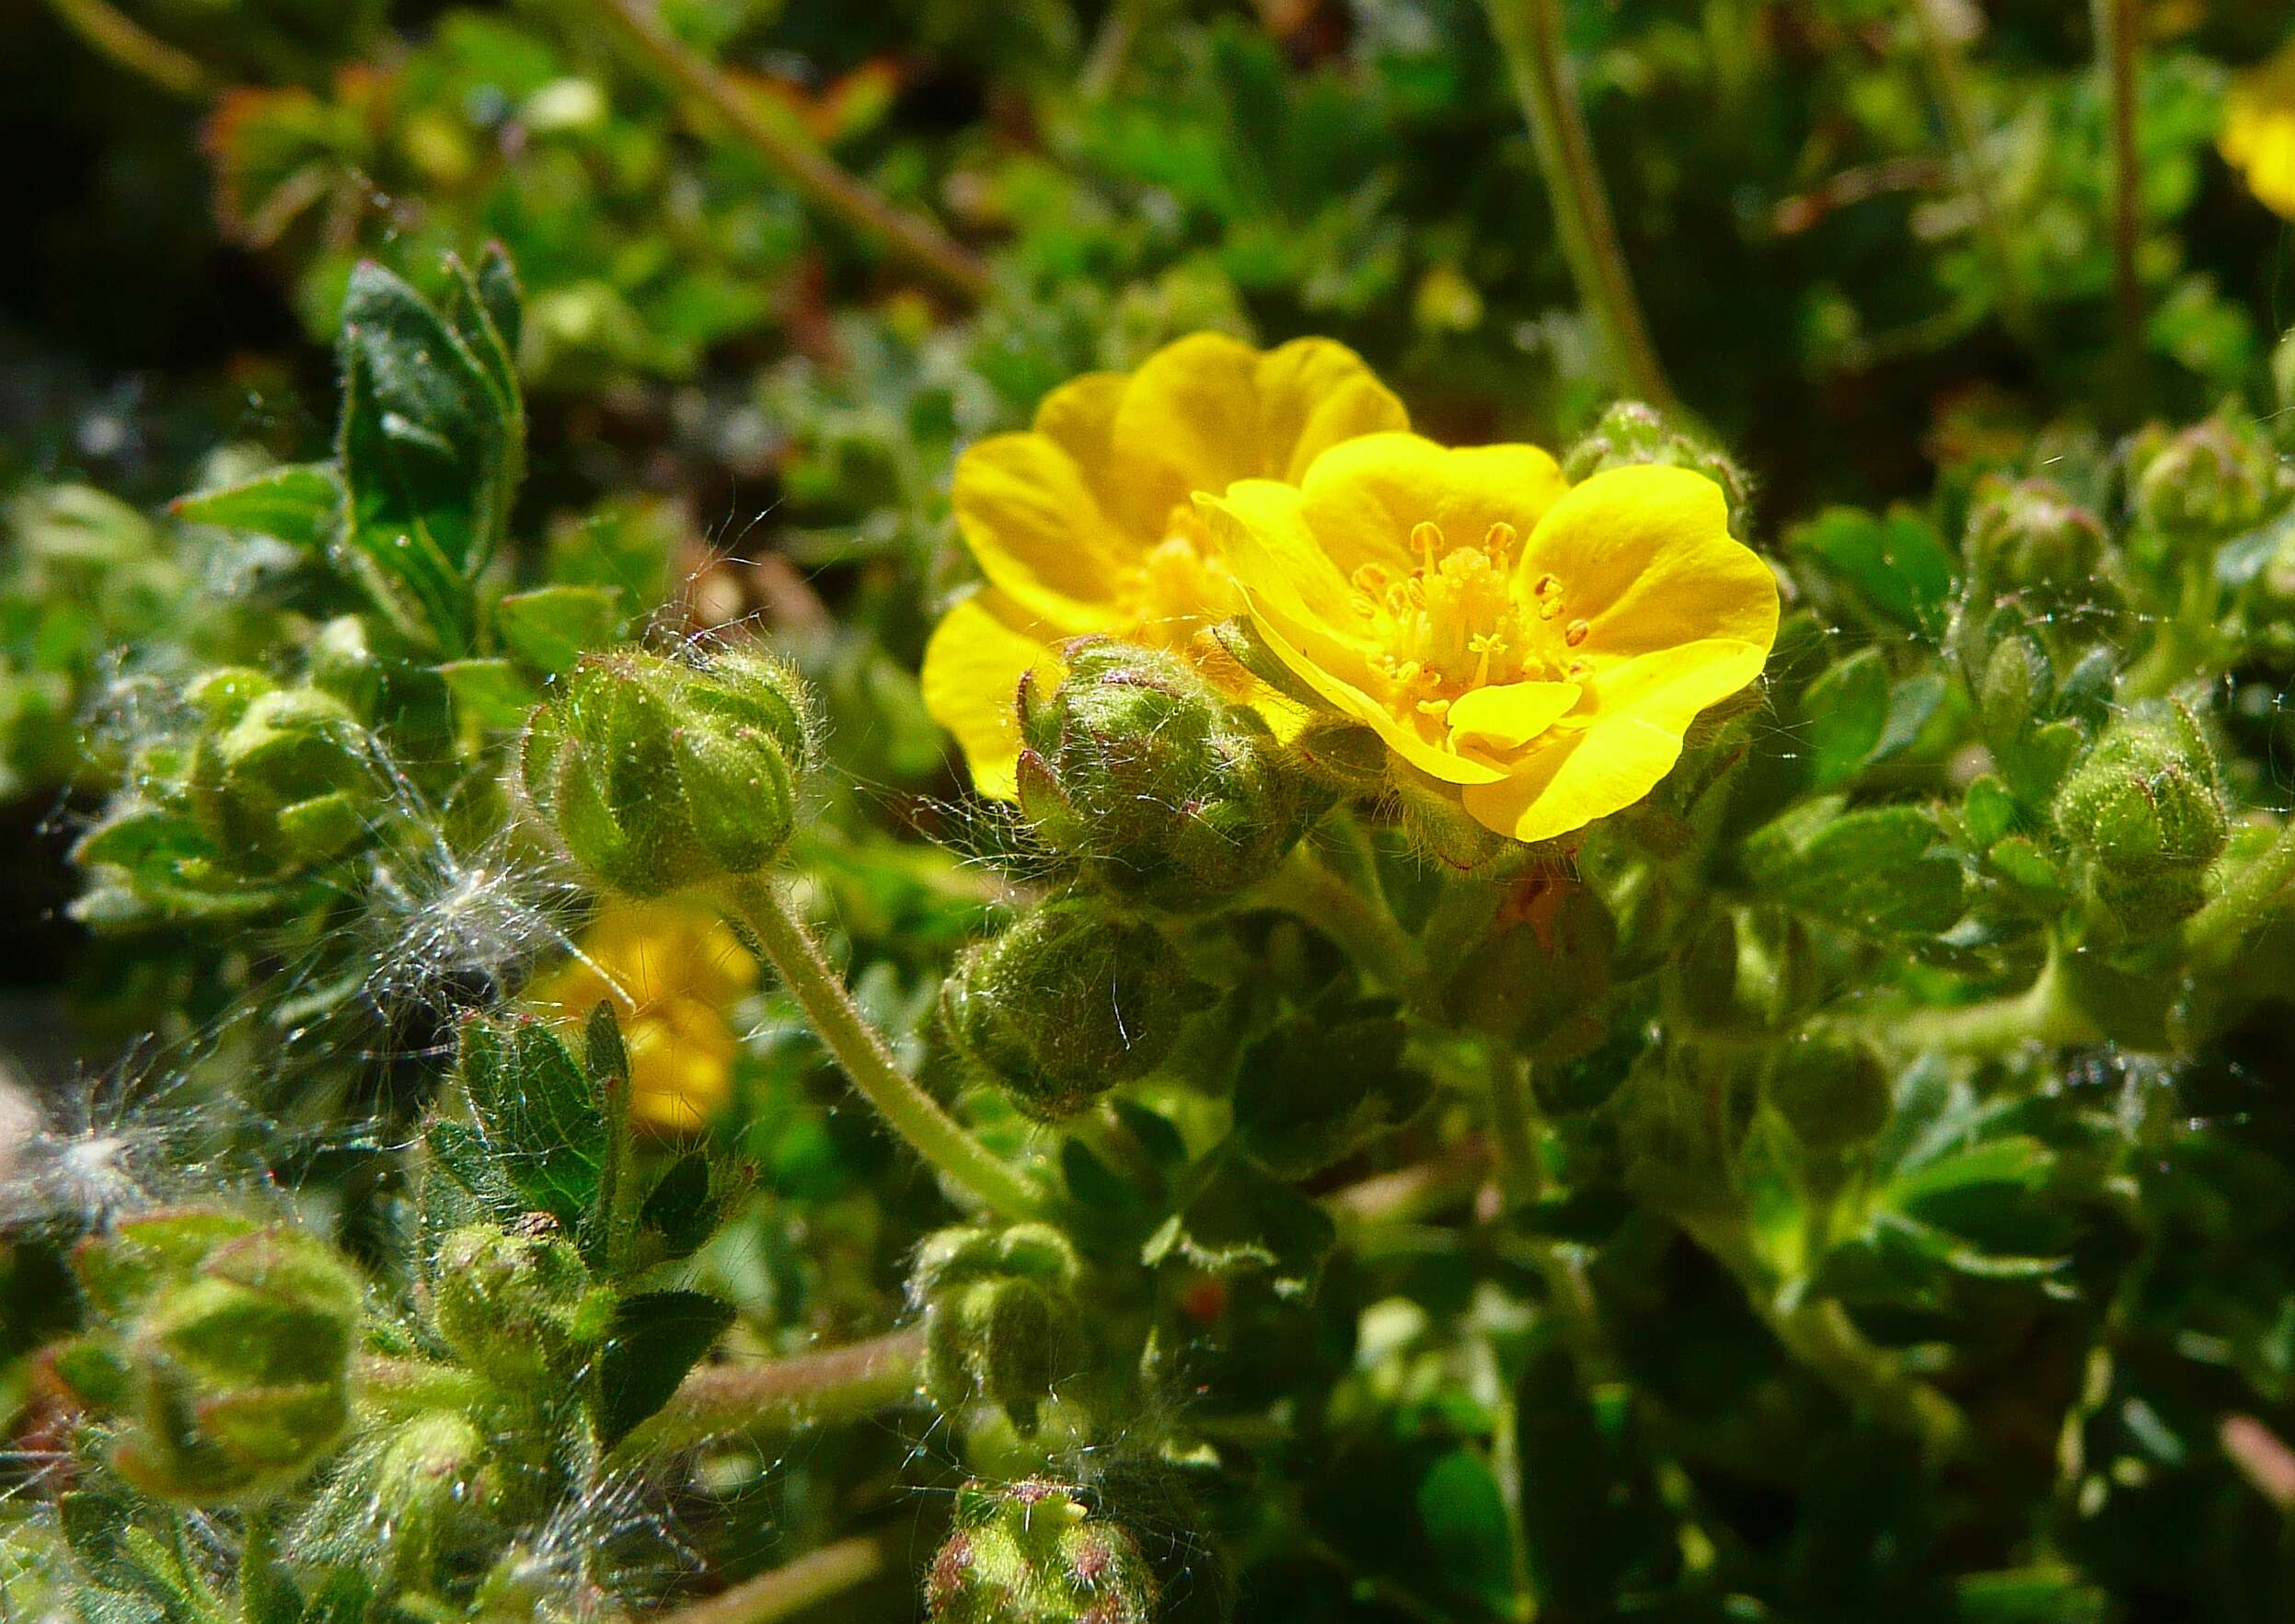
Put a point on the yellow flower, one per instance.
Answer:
(1086, 524)
(2257, 137)
(672, 972)
(1537, 648)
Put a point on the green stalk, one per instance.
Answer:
(2247, 897)
(828, 1005)
(143, 53)
(2115, 59)
(797, 161)
(404, 1386)
(1529, 36)
(808, 1389)
(1305, 888)
(1948, 79)
(795, 1586)
(2043, 1013)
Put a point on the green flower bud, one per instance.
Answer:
(282, 780)
(1631, 433)
(405, 1496)
(2207, 483)
(1136, 771)
(1541, 983)
(342, 664)
(1033, 1553)
(2029, 536)
(657, 775)
(1068, 1003)
(1000, 1316)
(226, 1344)
(2146, 798)
(1318, 1089)
(518, 1306)
(1833, 1096)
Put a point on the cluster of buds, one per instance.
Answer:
(1067, 1002)
(1000, 1316)
(662, 774)
(281, 778)
(2202, 485)
(225, 1348)
(2029, 536)
(1152, 786)
(1033, 1553)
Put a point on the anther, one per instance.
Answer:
(1547, 590)
(1575, 633)
(1499, 540)
(1426, 537)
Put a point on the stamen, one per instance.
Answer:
(1547, 590)
(1436, 707)
(1485, 644)
(1426, 537)
(1499, 540)
(1576, 632)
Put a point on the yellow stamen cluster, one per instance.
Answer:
(1180, 586)
(1456, 623)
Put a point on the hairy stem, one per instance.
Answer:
(1819, 1334)
(2246, 898)
(1948, 79)
(1530, 35)
(2116, 56)
(1307, 889)
(2042, 1013)
(808, 1389)
(792, 1588)
(828, 1005)
(404, 1386)
(809, 173)
(123, 40)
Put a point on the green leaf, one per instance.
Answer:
(301, 504)
(656, 1338)
(491, 695)
(541, 1116)
(679, 1209)
(1896, 563)
(1464, 1514)
(1847, 707)
(1247, 1221)
(552, 626)
(1880, 871)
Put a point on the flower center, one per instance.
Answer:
(1455, 623)
(1180, 585)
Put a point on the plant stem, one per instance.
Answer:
(1308, 889)
(2116, 56)
(1510, 1114)
(2042, 1013)
(792, 1588)
(808, 1389)
(1949, 81)
(2245, 898)
(402, 1385)
(144, 54)
(1530, 35)
(814, 178)
(828, 1005)
(1818, 1332)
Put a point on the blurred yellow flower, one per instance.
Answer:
(1536, 648)
(672, 972)
(1085, 523)
(2257, 137)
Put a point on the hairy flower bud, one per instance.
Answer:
(1068, 1003)
(1000, 1316)
(518, 1306)
(1630, 431)
(1137, 772)
(2147, 809)
(1033, 1553)
(657, 774)
(2029, 536)
(227, 1345)
(1541, 983)
(283, 778)
(2205, 483)
(1833, 1096)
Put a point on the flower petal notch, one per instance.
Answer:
(1084, 525)
(1537, 649)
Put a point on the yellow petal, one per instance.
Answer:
(1645, 558)
(1641, 707)
(1506, 716)
(1033, 521)
(970, 680)
(1362, 497)
(1208, 410)
(1261, 527)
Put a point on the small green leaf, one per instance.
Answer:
(491, 695)
(679, 1210)
(1894, 562)
(552, 626)
(1847, 707)
(539, 1113)
(656, 1338)
(300, 504)
(1464, 1514)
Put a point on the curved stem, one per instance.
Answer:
(144, 54)
(808, 1389)
(1308, 889)
(2246, 897)
(1529, 34)
(794, 1586)
(828, 1005)
(2116, 55)
(796, 160)
(2042, 1013)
